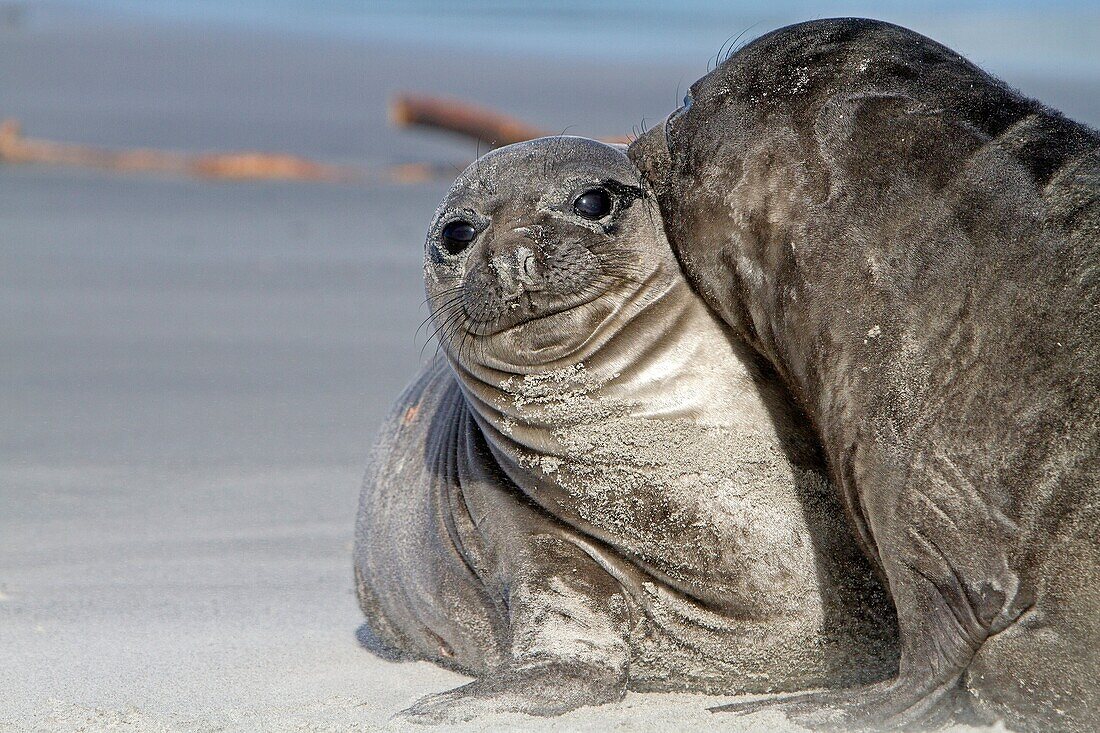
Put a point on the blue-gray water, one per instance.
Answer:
(1049, 37)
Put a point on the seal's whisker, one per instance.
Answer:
(442, 294)
(446, 318)
(559, 142)
(445, 333)
(715, 61)
(737, 47)
(437, 318)
(444, 297)
(462, 355)
(477, 163)
(462, 347)
(446, 305)
(447, 329)
(650, 209)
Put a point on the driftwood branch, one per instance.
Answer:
(492, 128)
(479, 123)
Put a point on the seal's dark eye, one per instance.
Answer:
(595, 203)
(457, 236)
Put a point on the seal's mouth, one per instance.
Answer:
(650, 155)
(525, 310)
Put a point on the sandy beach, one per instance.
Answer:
(191, 373)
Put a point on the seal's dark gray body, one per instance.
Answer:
(916, 249)
(597, 488)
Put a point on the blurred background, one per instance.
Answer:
(191, 371)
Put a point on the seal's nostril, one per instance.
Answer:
(527, 269)
(518, 272)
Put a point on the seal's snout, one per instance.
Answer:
(519, 272)
(650, 155)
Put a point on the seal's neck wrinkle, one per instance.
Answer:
(654, 357)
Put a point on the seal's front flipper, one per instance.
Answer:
(569, 624)
(545, 689)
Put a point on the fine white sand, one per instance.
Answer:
(191, 373)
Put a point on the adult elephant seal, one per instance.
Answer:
(596, 490)
(915, 248)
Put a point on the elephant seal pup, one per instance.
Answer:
(915, 248)
(597, 490)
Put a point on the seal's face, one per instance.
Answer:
(536, 246)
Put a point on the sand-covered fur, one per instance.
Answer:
(596, 487)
